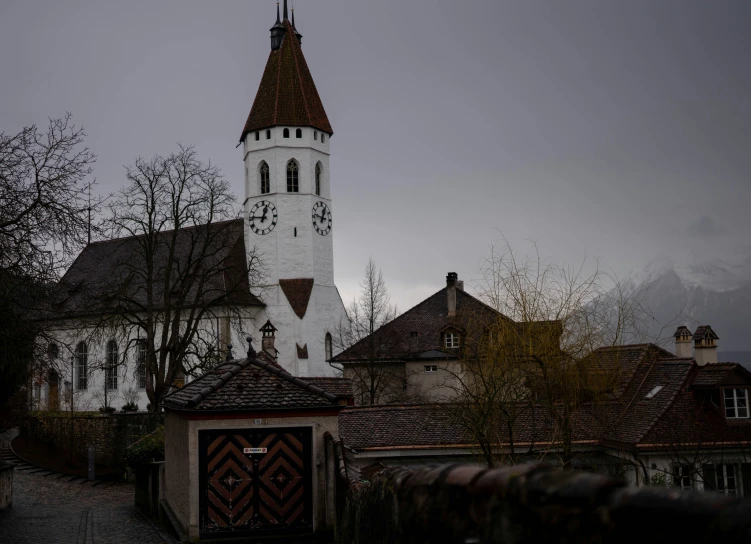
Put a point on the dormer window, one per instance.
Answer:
(736, 403)
(452, 340)
(656, 389)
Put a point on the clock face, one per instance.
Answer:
(321, 218)
(263, 217)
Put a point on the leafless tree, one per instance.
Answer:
(376, 376)
(182, 272)
(45, 211)
(537, 353)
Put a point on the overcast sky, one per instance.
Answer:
(613, 129)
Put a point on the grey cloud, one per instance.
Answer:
(705, 227)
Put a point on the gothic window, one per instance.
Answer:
(298, 133)
(319, 169)
(328, 343)
(265, 181)
(82, 364)
(286, 133)
(293, 185)
(258, 136)
(110, 376)
(141, 363)
(268, 134)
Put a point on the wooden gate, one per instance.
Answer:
(255, 481)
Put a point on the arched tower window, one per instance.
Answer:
(293, 185)
(298, 133)
(315, 135)
(258, 135)
(82, 364)
(265, 180)
(286, 133)
(268, 134)
(110, 377)
(328, 343)
(319, 170)
(323, 137)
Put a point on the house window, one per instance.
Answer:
(268, 134)
(82, 365)
(452, 340)
(298, 133)
(328, 343)
(293, 185)
(110, 372)
(265, 178)
(141, 363)
(431, 368)
(319, 169)
(683, 478)
(736, 403)
(286, 133)
(727, 482)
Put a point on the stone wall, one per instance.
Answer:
(531, 503)
(110, 435)
(6, 485)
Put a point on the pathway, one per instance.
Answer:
(51, 508)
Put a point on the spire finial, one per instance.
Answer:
(285, 10)
(277, 12)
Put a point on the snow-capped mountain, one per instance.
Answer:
(703, 285)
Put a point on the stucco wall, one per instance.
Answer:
(433, 386)
(188, 442)
(177, 482)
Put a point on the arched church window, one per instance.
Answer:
(82, 365)
(328, 344)
(265, 179)
(268, 134)
(293, 185)
(298, 133)
(110, 374)
(286, 133)
(315, 135)
(319, 169)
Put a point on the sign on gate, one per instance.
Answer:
(251, 451)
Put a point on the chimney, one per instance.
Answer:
(683, 338)
(268, 339)
(451, 281)
(705, 345)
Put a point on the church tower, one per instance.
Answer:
(288, 206)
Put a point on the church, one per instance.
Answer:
(287, 223)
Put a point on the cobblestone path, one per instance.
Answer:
(50, 508)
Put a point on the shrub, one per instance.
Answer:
(148, 449)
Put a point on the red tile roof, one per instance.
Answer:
(287, 94)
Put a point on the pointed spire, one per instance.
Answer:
(297, 33)
(277, 31)
(285, 10)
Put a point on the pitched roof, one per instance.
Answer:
(252, 384)
(654, 405)
(108, 272)
(427, 319)
(287, 94)
(705, 331)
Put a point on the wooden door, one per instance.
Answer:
(255, 481)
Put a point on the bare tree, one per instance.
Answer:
(183, 274)
(376, 376)
(45, 212)
(537, 353)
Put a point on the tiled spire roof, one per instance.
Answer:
(287, 94)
